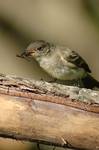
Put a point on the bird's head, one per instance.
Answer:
(36, 49)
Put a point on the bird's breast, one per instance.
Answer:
(61, 69)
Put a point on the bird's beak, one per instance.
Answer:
(29, 53)
(26, 53)
(22, 55)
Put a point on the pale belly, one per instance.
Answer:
(64, 73)
(61, 71)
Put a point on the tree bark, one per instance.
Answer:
(49, 113)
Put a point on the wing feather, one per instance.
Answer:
(78, 61)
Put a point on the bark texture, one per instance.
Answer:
(49, 113)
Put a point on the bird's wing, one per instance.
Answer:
(78, 61)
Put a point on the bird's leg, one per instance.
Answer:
(38, 146)
(79, 83)
(52, 81)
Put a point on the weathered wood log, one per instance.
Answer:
(49, 113)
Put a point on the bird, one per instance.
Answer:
(61, 63)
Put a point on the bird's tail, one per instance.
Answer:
(90, 82)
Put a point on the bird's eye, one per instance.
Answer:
(40, 48)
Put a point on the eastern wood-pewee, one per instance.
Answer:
(61, 63)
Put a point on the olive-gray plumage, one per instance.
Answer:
(59, 62)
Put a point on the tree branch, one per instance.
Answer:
(49, 113)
